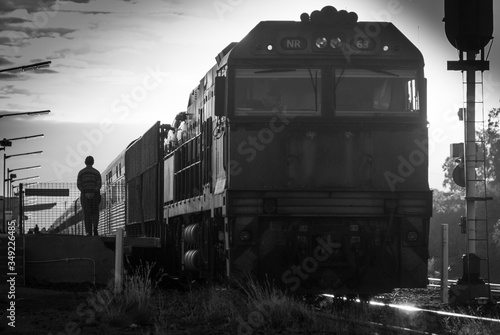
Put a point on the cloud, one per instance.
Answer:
(31, 27)
(5, 61)
(11, 89)
(50, 32)
(8, 76)
(13, 39)
(88, 12)
(7, 21)
(44, 71)
(11, 5)
(15, 35)
(7, 6)
(66, 52)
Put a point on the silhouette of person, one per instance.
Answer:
(89, 183)
(36, 230)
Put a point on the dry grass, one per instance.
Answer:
(247, 309)
(250, 308)
(134, 304)
(271, 310)
(209, 307)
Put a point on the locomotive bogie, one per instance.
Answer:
(365, 255)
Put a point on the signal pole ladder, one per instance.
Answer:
(471, 287)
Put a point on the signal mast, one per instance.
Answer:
(469, 28)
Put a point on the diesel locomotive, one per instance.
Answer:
(302, 159)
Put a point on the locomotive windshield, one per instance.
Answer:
(374, 91)
(352, 91)
(267, 91)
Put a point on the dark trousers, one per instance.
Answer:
(90, 204)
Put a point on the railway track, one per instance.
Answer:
(377, 317)
(359, 326)
(436, 282)
(432, 318)
(392, 318)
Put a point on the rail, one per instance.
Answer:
(436, 282)
(430, 320)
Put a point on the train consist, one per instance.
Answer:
(302, 159)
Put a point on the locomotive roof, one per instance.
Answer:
(359, 41)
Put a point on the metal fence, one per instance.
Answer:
(45, 204)
(56, 208)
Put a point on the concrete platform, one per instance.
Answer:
(67, 259)
(53, 258)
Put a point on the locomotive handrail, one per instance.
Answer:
(187, 167)
(181, 145)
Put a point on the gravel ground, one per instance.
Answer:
(65, 311)
(40, 311)
(428, 298)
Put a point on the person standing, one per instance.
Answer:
(89, 183)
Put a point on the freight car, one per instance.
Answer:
(303, 160)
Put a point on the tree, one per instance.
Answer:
(491, 139)
(448, 183)
(449, 206)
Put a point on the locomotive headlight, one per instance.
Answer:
(321, 42)
(245, 235)
(412, 236)
(335, 42)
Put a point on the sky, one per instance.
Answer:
(119, 66)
